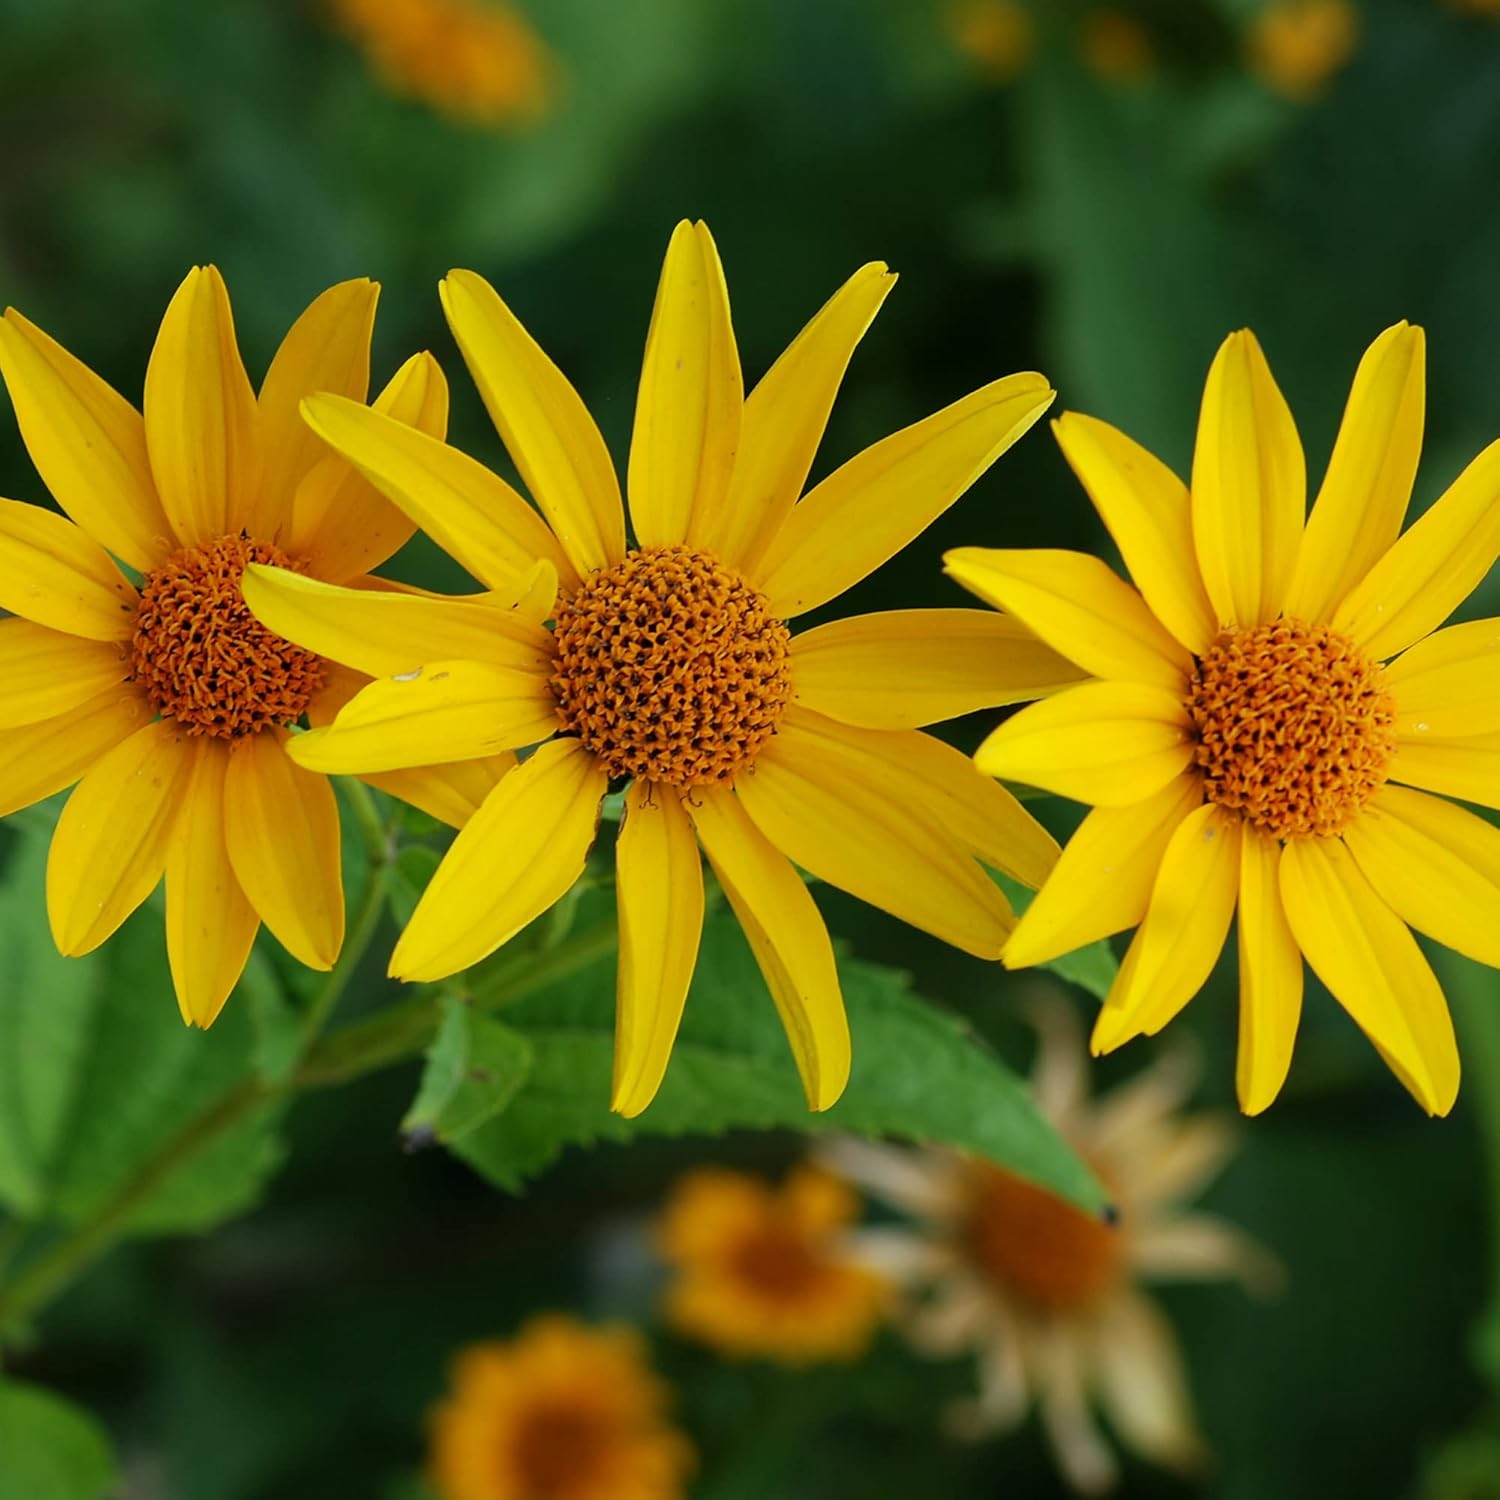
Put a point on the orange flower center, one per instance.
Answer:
(1036, 1246)
(670, 667)
(204, 660)
(1295, 727)
(778, 1264)
(556, 1449)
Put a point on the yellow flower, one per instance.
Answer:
(477, 60)
(1296, 46)
(998, 35)
(1114, 45)
(561, 1412)
(765, 1272)
(1047, 1297)
(1271, 699)
(670, 663)
(169, 699)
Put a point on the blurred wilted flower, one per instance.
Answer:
(671, 664)
(1296, 46)
(171, 701)
(1115, 45)
(764, 1271)
(477, 60)
(1048, 1297)
(560, 1412)
(1275, 705)
(999, 36)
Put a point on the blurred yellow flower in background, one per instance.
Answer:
(1048, 1298)
(1115, 45)
(1296, 46)
(1275, 705)
(560, 1412)
(170, 700)
(761, 1271)
(998, 36)
(671, 664)
(479, 61)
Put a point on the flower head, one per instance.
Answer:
(1296, 46)
(1047, 1297)
(170, 700)
(764, 1272)
(670, 662)
(1275, 707)
(477, 60)
(560, 1412)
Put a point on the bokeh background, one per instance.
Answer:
(1098, 195)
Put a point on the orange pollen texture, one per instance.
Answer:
(556, 1450)
(1035, 1246)
(1295, 727)
(670, 667)
(204, 660)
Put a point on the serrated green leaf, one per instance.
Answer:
(1092, 967)
(919, 1073)
(475, 1066)
(98, 1072)
(49, 1449)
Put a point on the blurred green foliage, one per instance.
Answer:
(1108, 233)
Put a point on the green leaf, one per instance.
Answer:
(1092, 967)
(919, 1073)
(475, 1066)
(98, 1072)
(407, 876)
(49, 1449)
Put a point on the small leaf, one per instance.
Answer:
(49, 1449)
(475, 1066)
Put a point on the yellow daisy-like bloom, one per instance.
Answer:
(1296, 46)
(1049, 1298)
(999, 36)
(1276, 704)
(670, 663)
(169, 699)
(477, 60)
(762, 1272)
(561, 1412)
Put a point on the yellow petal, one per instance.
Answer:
(200, 414)
(37, 760)
(870, 508)
(518, 854)
(1249, 486)
(544, 425)
(1364, 954)
(110, 847)
(342, 525)
(1432, 569)
(1435, 865)
(472, 514)
(826, 807)
(211, 926)
(1080, 607)
(907, 667)
(1270, 976)
(688, 411)
(47, 673)
(326, 349)
(1149, 514)
(1105, 743)
(385, 634)
(786, 933)
(784, 420)
(1447, 686)
(88, 443)
(1365, 493)
(441, 712)
(1468, 768)
(282, 824)
(659, 885)
(1102, 883)
(1186, 923)
(51, 572)
(451, 794)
